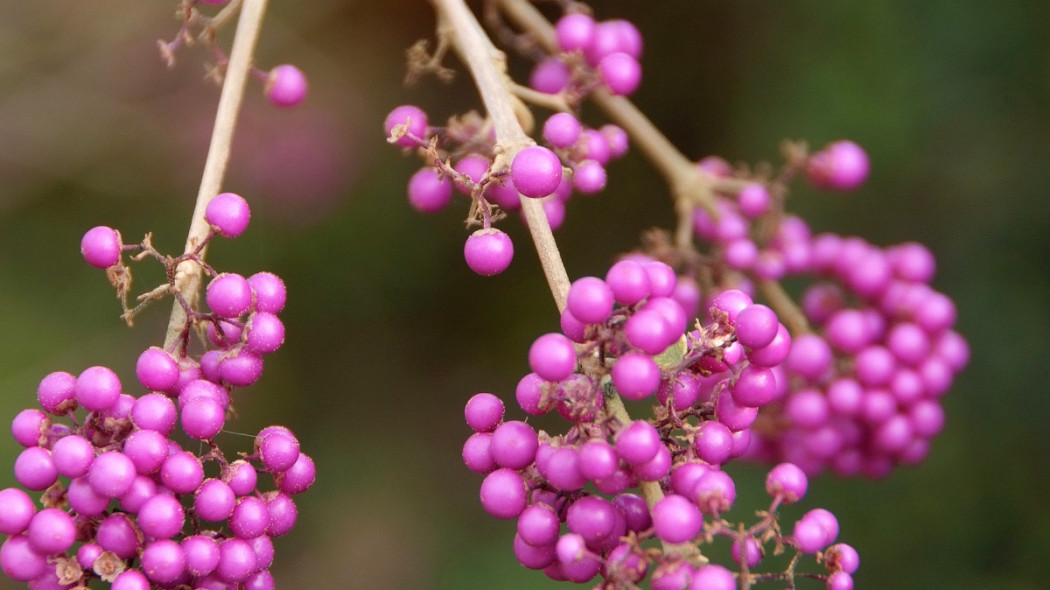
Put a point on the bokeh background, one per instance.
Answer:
(389, 333)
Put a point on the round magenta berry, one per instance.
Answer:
(636, 376)
(278, 449)
(483, 412)
(214, 500)
(229, 295)
(590, 300)
(57, 393)
(550, 75)
(621, 73)
(503, 493)
(118, 534)
(264, 332)
(282, 513)
(202, 418)
(676, 519)
(269, 290)
(111, 474)
(299, 477)
(488, 251)
(476, 454)
(788, 482)
(552, 357)
(97, 388)
(72, 455)
(249, 517)
(35, 469)
(414, 120)
(286, 86)
(237, 561)
(17, 513)
(154, 411)
(561, 130)
(638, 443)
(628, 281)
(182, 472)
(163, 561)
(713, 577)
(428, 191)
(514, 445)
(161, 516)
(842, 165)
(19, 561)
(756, 326)
(30, 427)
(574, 32)
(242, 369)
(101, 246)
(229, 214)
(536, 171)
(156, 370)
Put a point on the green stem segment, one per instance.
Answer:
(188, 274)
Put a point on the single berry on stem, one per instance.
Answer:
(286, 86)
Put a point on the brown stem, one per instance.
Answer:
(487, 66)
(188, 273)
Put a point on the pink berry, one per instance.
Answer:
(621, 73)
(101, 246)
(536, 171)
(229, 295)
(428, 191)
(286, 86)
(228, 213)
(488, 251)
(841, 166)
(414, 120)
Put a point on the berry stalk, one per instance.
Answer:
(188, 273)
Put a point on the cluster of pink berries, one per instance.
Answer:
(590, 54)
(575, 161)
(614, 482)
(593, 55)
(867, 371)
(122, 499)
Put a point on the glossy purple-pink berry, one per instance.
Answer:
(536, 171)
(488, 251)
(229, 214)
(286, 86)
(413, 118)
(101, 246)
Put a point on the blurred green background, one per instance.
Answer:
(388, 332)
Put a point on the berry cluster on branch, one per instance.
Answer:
(125, 497)
(849, 380)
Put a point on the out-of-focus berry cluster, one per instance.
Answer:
(873, 350)
(126, 497)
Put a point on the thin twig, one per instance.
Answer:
(188, 273)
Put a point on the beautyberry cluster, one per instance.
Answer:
(873, 349)
(126, 498)
(621, 498)
(460, 157)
